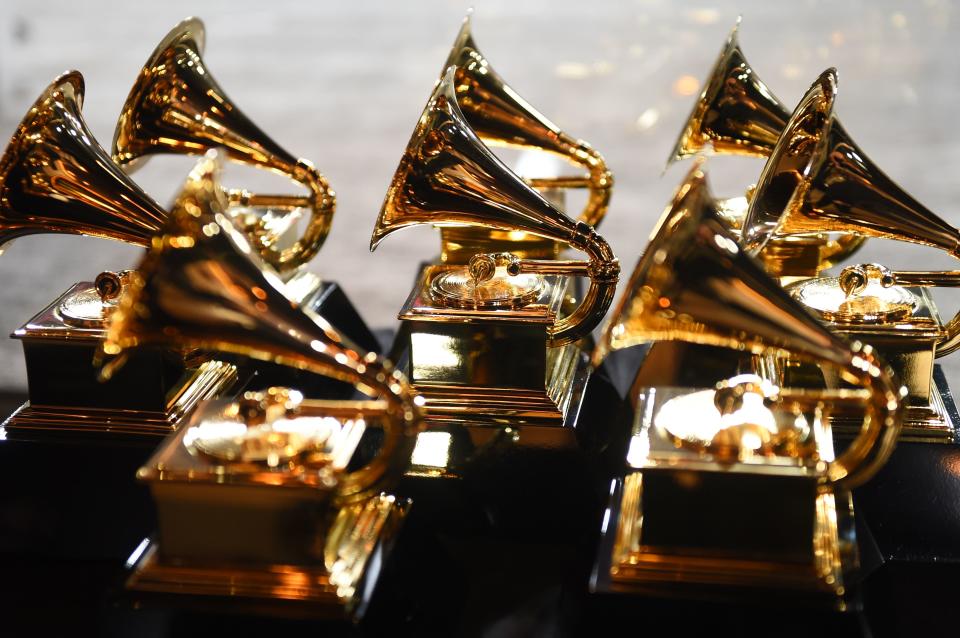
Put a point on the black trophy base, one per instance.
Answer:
(330, 302)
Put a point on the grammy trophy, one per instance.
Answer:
(736, 488)
(817, 180)
(55, 178)
(177, 107)
(500, 117)
(270, 463)
(463, 322)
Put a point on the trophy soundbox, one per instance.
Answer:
(817, 180)
(489, 342)
(500, 117)
(55, 178)
(270, 464)
(735, 490)
(177, 107)
(738, 114)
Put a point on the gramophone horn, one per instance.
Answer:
(736, 112)
(447, 176)
(177, 107)
(499, 116)
(694, 283)
(55, 178)
(201, 286)
(817, 180)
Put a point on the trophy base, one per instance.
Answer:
(930, 423)
(365, 536)
(208, 380)
(627, 567)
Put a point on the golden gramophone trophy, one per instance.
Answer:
(490, 343)
(55, 178)
(735, 490)
(254, 497)
(737, 114)
(177, 107)
(500, 117)
(817, 180)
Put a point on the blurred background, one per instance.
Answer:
(343, 84)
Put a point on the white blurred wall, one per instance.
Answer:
(343, 84)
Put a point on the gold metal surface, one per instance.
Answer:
(55, 178)
(176, 106)
(909, 342)
(448, 176)
(694, 283)
(738, 114)
(329, 589)
(202, 285)
(818, 180)
(500, 117)
(209, 380)
(874, 303)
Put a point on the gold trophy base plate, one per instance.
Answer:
(636, 568)
(548, 416)
(299, 591)
(210, 380)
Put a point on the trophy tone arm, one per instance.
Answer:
(853, 279)
(603, 269)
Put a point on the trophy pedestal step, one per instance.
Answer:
(340, 589)
(932, 423)
(209, 380)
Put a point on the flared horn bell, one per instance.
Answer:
(735, 114)
(447, 176)
(176, 106)
(499, 116)
(694, 283)
(818, 181)
(56, 178)
(202, 286)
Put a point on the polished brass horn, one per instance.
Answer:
(818, 180)
(201, 285)
(694, 283)
(56, 178)
(500, 117)
(447, 176)
(176, 106)
(736, 113)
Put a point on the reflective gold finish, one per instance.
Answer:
(738, 114)
(55, 178)
(500, 117)
(818, 180)
(177, 107)
(694, 283)
(202, 286)
(684, 519)
(270, 457)
(447, 176)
